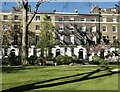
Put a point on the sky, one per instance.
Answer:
(83, 7)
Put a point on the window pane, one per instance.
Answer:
(16, 27)
(36, 39)
(16, 17)
(113, 28)
(104, 19)
(37, 17)
(114, 20)
(61, 19)
(5, 27)
(15, 40)
(72, 19)
(37, 27)
(83, 19)
(5, 17)
(104, 28)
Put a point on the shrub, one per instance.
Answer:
(67, 59)
(103, 62)
(59, 59)
(18, 60)
(63, 59)
(5, 61)
(98, 61)
(11, 58)
(41, 61)
(95, 60)
(32, 59)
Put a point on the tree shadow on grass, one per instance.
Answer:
(15, 69)
(38, 85)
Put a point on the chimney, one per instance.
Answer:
(54, 10)
(76, 10)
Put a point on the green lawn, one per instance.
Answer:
(32, 78)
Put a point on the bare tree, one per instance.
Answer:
(24, 7)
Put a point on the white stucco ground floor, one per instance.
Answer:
(70, 50)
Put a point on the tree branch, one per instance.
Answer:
(18, 3)
(35, 11)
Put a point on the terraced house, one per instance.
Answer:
(74, 31)
(109, 22)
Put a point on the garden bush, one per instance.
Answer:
(5, 61)
(32, 60)
(18, 60)
(98, 61)
(63, 59)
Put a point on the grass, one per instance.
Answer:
(33, 78)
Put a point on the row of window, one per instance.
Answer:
(106, 37)
(16, 17)
(83, 28)
(5, 17)
(15, 40)
(15, 27)
(61, 28)
(37, 18)
(104, 28)
(104, 19)
(113, 10)
(73, 19)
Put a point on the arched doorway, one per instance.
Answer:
(80, 54)
(57, 52)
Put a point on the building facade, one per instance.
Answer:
(109, 22)
(74, 32)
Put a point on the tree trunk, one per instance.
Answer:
(50, 52)
(25, 37)
(42, 52)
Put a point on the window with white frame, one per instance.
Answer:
(104, 37)
(37, 38)
(37, 27)
(37, 18)
(5, 17)
(72, 39)
(104, 28)
(61, 27)
(83, 28)
(114, 20)
(5, 27)
(114, 37)
(94, 29)
(114, 28)
(15, 39)
(104, 19)
(71, 19)
(104, 10)
(61, 19)
(16, 27)
(61, 38)
(114, 10)
(93, 20)
(71, 28)
(65, 49)
(16, 17)
(72, 51)
(83, 19)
